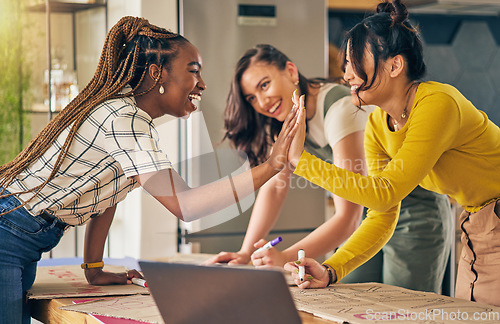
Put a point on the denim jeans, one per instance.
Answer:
(23, 239)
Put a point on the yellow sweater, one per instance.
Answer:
(446, 145)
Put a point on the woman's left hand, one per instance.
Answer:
(97, 277)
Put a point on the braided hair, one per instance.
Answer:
(131, 46)
(385, 34)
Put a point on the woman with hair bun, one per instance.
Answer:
(421, 133)
(100, 147)
(259, 99)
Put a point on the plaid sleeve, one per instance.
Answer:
(132, 140)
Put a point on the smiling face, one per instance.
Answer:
(183, 82)
(268, 89)
(376, 78)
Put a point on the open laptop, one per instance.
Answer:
(188, 293)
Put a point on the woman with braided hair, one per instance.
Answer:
(421, 133)
(100, 147)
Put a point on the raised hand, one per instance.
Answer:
(279, 152)
(297, 145)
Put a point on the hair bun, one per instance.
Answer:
(398, 11)
(385, 7)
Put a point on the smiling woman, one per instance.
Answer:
(101, 146)
(442, 142)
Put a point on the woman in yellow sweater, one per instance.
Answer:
(425, 134)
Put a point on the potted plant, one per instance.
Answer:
(14, 81)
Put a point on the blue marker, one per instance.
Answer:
(269, 244)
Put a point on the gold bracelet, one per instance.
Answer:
(91, 265)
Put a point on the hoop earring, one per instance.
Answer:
(161, 90)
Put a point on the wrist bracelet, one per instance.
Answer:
(330, 273)
(91, 265)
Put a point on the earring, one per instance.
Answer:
(161, 90)
(296, 83)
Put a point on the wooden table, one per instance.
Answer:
(47, 311)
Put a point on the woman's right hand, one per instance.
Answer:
(97, 277)
(267, 258)
(229, 258)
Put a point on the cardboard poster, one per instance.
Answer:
(138, 307)
(341, 303)
(69, 281)
(380, 303)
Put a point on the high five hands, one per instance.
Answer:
(297, 145)
(290, 143)
(285, 152)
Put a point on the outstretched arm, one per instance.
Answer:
(348, 154)
(189, 204)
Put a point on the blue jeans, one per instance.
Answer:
(416, 256)
(23, 239)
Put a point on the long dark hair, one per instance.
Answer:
(131, 46)
(385, 34)
(249, 131)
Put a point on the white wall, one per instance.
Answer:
(143, 228)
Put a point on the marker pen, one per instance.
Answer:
(139, 282)
(269, 244)
(302, 269)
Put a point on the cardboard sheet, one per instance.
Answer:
(342, 303)
(138, 307)
(379, 303)
(69, 281)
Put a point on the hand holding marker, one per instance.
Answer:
(269, 244)
(139, 282)
(302, 269)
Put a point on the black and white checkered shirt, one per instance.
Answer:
(118, 140)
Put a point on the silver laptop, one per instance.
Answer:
(187, 293)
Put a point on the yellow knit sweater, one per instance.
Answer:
(446, 145)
